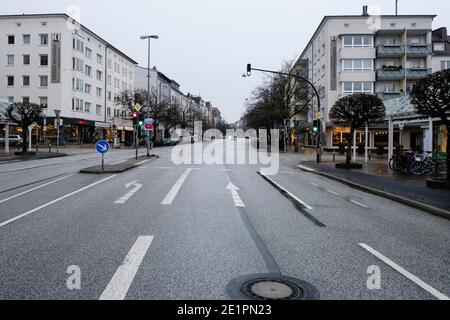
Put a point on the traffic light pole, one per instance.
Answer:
(319, 140)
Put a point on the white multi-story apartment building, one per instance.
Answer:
(381, 55)
(441, 50)
(52, 60)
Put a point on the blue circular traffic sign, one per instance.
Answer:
(102, 146)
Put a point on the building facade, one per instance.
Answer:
(381, 55)
(52, 60)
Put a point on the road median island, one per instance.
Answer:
(120, 167)
(380, 188)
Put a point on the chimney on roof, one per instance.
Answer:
(365, 11)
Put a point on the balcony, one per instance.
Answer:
(387, 50)
(389, 95)
(416, 74)
(391, 73)
(419, 50)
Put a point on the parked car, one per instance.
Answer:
(170, 142)
(14, 139)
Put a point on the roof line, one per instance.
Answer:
(66, 16)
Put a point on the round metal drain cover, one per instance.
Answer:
(270, 287)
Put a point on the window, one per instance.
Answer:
(88, 53)
(77, 104)
(358, 41)
(439, 46)
(26, 81)
(78, 45)
(43, 102)
(78, 64)
(43, 81)
(87, 107)
(87, 70)
(109, 79)
(109, 64)
(10, 59)
(43, 60)
(357, 87)
(87, 88)
(99, 75)
(43, 39)
(10, 81)
(25, 100)
(357, 65)
(11, 39)
(130, 75)
(98, 109)
(11, 99)
(99, 92)
(26, 59)
(445, 65)
(109, 96)
(26, 39)
(78, 85)
(99, 58)
(108, 111)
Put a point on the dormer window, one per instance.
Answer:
(439, 46)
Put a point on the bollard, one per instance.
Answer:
(334, 156)
(370, 155)
(49, 148)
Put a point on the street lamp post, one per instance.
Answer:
(148, 87)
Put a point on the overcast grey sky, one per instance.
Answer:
(206, 44)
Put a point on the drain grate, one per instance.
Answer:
(270, 287)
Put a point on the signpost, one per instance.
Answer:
(57, 114)
(102, 147)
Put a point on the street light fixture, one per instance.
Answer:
(148, 37)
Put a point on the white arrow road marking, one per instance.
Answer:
(125, 198)
(176, 188)
(33, 189)
(123, 278)
(236, 198)
(4, 223)
(405, 273)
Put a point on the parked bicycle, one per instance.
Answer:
(417, 163)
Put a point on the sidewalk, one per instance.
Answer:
(378, 179)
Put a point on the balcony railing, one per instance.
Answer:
(391, 50)
(389, 95)
(391, 73)
(419, 50)
(415, 74)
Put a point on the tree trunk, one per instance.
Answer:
(447, 155)
(25, 139)
(348, 159)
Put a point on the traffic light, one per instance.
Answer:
(140, 123)
(316, 126)
(249, 70)
(135, 117)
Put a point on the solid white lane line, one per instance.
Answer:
(303, 203)
(125, 198)
(359, 204)
(36, 188)
(306, 168)
(123, 278)
(333, 192)
(121, 161)
(405, 273)
(4, 223)
(176, 188)
(142, 162)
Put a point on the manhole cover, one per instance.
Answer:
(270, 287)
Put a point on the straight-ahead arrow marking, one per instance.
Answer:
(238, 203)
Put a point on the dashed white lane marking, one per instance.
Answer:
(4, 223)
(315, 185)
(306, 168)
(333, 192)
(405, 273)
(118, 162)
(176, 188)
(359, 204)
(164, 168)
(125, 198)
(303, 203)
(33, 189)
(238, 203)
(123, 278)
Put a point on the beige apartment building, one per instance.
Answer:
(382, 55)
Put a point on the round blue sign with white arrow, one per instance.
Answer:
(102, 146)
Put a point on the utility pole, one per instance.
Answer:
(57, 113)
